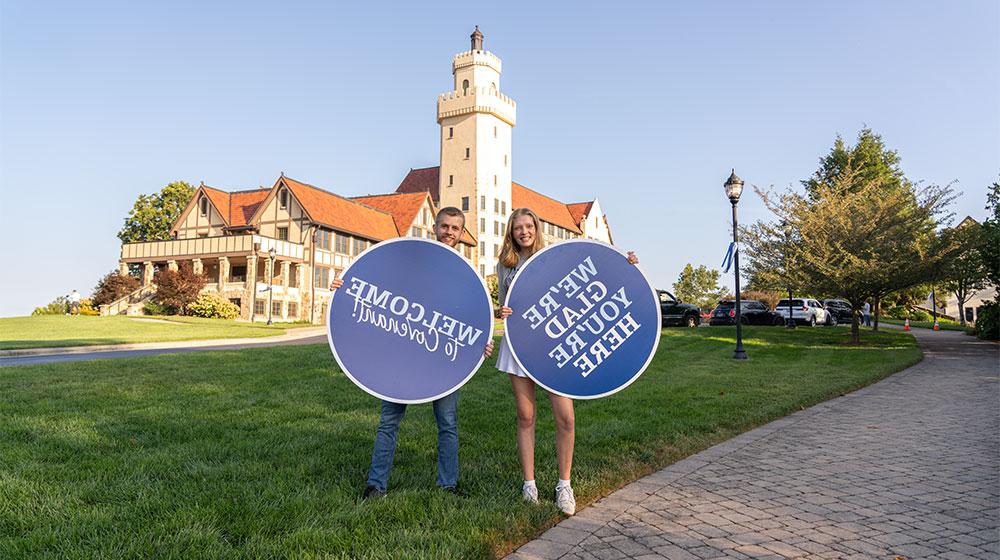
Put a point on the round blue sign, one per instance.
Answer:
(586, 323)
(411, 321)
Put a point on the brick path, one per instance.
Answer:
(907, 467)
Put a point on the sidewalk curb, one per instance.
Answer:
(294, 334)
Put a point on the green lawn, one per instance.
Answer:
(943, 325)
(48, 331)
(262, 453)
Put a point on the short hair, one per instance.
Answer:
(449, 211)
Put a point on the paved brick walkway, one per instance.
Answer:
(907, 467)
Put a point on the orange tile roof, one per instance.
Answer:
(579, 211)
(342, 213)
(404, 207)
(422, 180)
(220, 199)
(243, 205)
(548, 209)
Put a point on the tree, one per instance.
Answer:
(989, 247)
(869, 160)
(699, 286)
(854, 235)
(177, 289)
(152, 215)
(113, 286)
(965, 273)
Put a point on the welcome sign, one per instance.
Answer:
(585, 322)
(411, 321)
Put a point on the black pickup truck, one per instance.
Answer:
(676, 312)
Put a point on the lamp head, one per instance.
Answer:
(734, 187)
(271, 252)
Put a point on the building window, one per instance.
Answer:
(415, 232)
(238, 273)
(204, 206)
(494, 180)
(465, 87)
(293, 277)
(496, 251)
(482, 225)
(359, 246)
(451, 132)
(482, 249)
(293, 311)
(283, 233)
(503, 207)
(496, 205)
(465, 204)
(451, 180)
(342, 244)
(494, 128)
(496, 228)
(505, 160)
(429, 234)
(282, 198)
(202, 235)
(467, 152)
(321, 277)
(323, 239)
(275, 309)
(482, 203)
(482, 270)
(236, 301)
(259, 306)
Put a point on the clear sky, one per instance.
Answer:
(646, 106)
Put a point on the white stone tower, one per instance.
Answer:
(476, 124)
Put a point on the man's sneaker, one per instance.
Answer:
(450, 489)
(372, 493)
(565, 500)
(530, 493)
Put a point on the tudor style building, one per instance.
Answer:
(284, 244)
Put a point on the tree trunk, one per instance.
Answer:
(876, 309)
(855, 327)
(960, 294)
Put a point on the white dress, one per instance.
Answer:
(505, 361)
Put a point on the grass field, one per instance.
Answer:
(943, 325)
(49, 331)
(263, 453)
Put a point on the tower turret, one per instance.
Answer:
(477, 39)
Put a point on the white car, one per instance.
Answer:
(805, 311)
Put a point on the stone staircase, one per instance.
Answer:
(130, 304)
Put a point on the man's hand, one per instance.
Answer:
(503, 313)
(336, 283)
(632, 259)
(488, 351)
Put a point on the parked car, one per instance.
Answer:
(839, 309)
(676, 312)
(752, 312)
(805, 311)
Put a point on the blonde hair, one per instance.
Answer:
(510, 251)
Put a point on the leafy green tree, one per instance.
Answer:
(699, 286)
(869, 161)
(152, 215)
(989, 247)
(965, 273)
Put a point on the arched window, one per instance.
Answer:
(204, 206)
(465, 86)
(282, 198)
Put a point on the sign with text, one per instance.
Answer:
(411, 321)
(586, 323)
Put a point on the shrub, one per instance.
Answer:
(58, 306)
(87, 308)
(213, 307)
(896, 312)
(112, 287)
(155, 308)
(988, 321)
(770, 299)
(176, 290)
(920, 315)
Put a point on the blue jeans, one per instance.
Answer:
(446, 413)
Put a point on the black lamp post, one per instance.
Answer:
(270, 283)
(790, 324)
(734, 188)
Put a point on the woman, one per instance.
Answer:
(522, 239)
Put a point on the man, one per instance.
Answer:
(448, 226)
(866, 312)
(74, 302)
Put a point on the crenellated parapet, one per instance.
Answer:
(477, 100)
(475, 58)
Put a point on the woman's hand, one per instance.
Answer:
(503, 312)
(488, 351)
(336, 283)
(632, 259)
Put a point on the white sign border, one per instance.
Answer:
(329, 316)
(652, 290)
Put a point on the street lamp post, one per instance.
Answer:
(734, 188)
(270, 283)
(790, 324)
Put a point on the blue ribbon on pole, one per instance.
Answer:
(727, 261)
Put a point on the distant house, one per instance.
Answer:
(314, 234)
(972, 306)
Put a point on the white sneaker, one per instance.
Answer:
(530, 493)
(565, 500)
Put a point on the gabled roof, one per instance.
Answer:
(341, 213)
(403, 207)
(243, 205)
(219, 199)
(422, 180)
(579, 211)
(548, 209)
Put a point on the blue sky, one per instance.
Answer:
(645, 105)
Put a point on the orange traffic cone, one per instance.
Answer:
(936, 327)
(906, 325)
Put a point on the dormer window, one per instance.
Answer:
(204, 206)
(282, 198)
